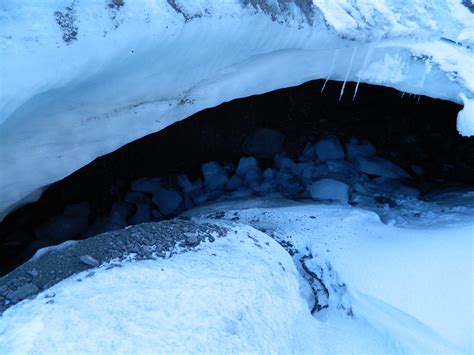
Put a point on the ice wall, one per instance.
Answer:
(80, 78)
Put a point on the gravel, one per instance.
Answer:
(144, 241)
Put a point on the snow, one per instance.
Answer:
(238, 294)
(62, 104)
(411, 283)
(465, 123)
(392, 288)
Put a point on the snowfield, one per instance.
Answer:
(390, 289)
(83, 79)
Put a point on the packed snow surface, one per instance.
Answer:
(80, 79)
(390, 289)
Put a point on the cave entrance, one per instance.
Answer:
(414, 132)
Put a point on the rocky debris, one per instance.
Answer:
(144, 241)
(89, 260)
(66, 21)
(192, 239)
(22, 293)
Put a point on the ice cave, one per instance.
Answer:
(238, 176)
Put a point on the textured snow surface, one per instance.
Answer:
(411, 283)
(80, 79)
(409, 290)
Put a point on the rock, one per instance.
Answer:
(89, 260)
(330, 189)
(329, 149)
(167, 200)
(78, 209)
(146, 185)
(192, 239)
(264, 143)
(23, 292)
(380, 167)
(215, 176)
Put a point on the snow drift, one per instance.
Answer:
(80, 78)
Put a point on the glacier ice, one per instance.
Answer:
(80, 80)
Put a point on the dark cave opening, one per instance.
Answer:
(415, 132)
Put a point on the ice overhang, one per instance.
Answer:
(80, 79)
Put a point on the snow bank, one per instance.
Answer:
(411, 285)
(240, 293)
(80, 79)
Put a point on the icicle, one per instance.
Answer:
(418, 101)
(403, 94)
(336, 54)
(347, 73)
(368, 57)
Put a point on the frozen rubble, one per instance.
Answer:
(325, 171)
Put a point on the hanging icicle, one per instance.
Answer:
(347, 73)
(336, 54)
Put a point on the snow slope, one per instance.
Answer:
(80, 79)
(414, 284)
(391, 290)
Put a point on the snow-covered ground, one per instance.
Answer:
(82, 78)
(389, 289)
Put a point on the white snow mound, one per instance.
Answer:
(238, 294)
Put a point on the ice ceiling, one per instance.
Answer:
(81, 78)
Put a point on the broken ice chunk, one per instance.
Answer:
(329, 149)
(167, 200)
(330, 189)
(246, 164)
(145, 185)
(215, 176)
(380, 167)
(365, 149)
(142, 215)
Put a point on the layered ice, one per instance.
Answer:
(80, 80)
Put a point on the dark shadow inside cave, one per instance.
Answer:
(414, 132)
